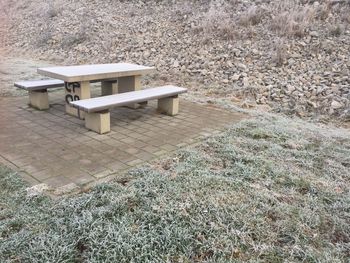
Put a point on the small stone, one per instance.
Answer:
(336, 105)
(311, 103)
(241, 66)
(245, 82)
(314, 34)
(236, 77)
(262, 100)
(236, 51)
(290, 89)
(255, 51)
(147, 54)
(291, 61)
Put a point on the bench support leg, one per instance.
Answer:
(169, 106)
(109, 88)
(39, 99)
(98, 121)
(126, 84)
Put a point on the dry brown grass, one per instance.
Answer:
(292, 19)
(217, 21)
(289, 18)
(220, 22)
(280, 54)
(345, 14)
(253, 16)
(336, 30)
(45, 36)
(78, 37)
(53, 10)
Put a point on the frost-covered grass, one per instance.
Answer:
(268, 190)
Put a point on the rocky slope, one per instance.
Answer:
(292, 56)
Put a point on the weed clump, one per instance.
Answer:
(292, 20)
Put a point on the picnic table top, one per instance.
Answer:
(95, 72)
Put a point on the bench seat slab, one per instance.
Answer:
(98, 122)
(32, 85)
(127, 98)
(39, 99)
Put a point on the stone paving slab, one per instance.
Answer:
(54, 148)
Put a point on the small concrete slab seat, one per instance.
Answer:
(38, 96)
(97, 115)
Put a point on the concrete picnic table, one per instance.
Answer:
(114, 78)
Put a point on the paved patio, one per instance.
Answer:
(54, 148)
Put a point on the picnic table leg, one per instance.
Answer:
(76, 91)
(109, 88)
(132, 83)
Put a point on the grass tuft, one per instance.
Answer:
(292, 19)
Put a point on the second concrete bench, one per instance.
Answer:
(38, 96)
(97, 115)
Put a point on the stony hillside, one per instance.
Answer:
(292, 55)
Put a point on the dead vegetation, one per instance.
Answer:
(217, 21)
(253, 16)
(291, 18)
(280, 53)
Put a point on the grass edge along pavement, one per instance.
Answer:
(269, 189)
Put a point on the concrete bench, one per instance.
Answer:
(38, 96)
(97, 115)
